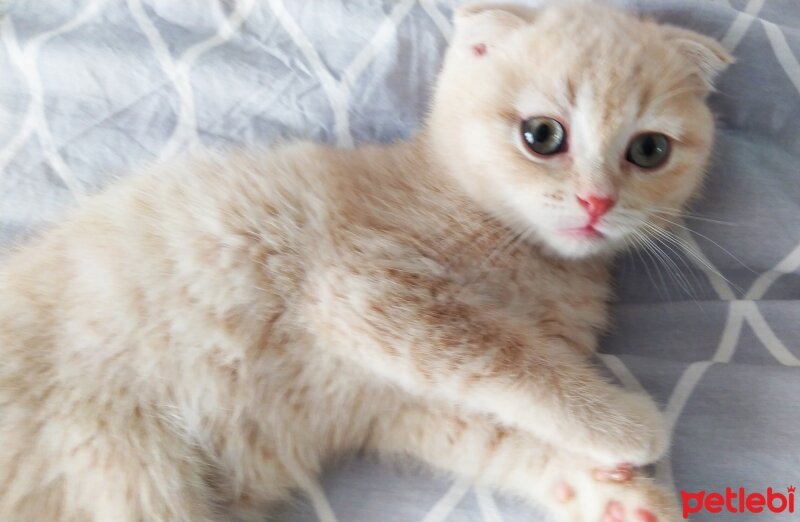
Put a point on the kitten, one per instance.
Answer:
(197, 341)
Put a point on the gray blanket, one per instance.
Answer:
(91, 88)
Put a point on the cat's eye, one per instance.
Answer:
(648, 151)
(543, 136)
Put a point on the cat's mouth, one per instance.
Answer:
(584, 232)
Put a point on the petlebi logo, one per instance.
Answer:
(738, 501)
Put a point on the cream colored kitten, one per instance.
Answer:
(197, 341)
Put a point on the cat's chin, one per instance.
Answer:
(579, 243)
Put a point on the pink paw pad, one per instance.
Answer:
(615, 512)
(564, 492)
(643, 515)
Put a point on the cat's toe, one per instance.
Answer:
(615, 512)
(638, 499)
(645, 515)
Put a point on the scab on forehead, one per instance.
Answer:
(479, 28)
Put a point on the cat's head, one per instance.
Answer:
(580, 124)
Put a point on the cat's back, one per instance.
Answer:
(197, 209)
(200, 252)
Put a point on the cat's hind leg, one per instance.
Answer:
(506, 459)
(68, 473)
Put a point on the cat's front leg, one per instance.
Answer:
(416, 331)
(477, 448)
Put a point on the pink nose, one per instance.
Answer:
(596, 206)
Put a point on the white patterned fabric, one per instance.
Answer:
(91, 88)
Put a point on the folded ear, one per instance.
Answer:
(480, 27)
(701, 51)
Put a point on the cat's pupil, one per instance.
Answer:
(648, 146)
(542, 132)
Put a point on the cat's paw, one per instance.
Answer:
(633, 430)
(585, 496)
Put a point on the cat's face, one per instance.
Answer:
(581, 125)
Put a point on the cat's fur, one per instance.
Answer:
(200, 339)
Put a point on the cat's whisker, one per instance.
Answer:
(643, 249)
(688, 215)
(673, 270)
(705, 220)
(669, 212)
(635, 246)
(663, 236)
(659, 236)
(668, 236)
(687, 248)
(691, 231)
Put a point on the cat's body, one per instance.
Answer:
(196, 315)
(200, 339)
